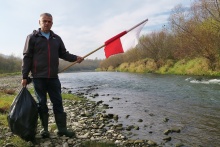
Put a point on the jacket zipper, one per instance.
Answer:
(48, 44)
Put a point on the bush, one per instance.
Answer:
(132, 67)
(197, 66)
(123, 67)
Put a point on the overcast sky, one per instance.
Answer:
(84, 25)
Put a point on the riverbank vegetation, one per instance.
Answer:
(9, 64)
(12, 65)
(189, 44)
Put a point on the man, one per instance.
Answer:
(41, 54)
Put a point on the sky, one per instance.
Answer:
(83, 25)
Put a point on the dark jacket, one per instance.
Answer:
(41, 55)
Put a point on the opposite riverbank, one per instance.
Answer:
(196, 67)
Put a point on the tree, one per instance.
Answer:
(195, 32)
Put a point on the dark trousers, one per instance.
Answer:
(42, 86)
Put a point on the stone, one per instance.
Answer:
(166, 132)
(176, 130)
(167, 139)
(65, 144)
(165, 119)
(138, 141)
(150, 142)
(140, 120)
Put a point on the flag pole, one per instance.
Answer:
(137, 25)
(101, 47)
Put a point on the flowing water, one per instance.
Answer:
(191, 104)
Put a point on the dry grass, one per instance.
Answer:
(8, 91)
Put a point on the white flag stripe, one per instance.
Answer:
(130, 40)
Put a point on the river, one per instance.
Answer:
(191, 104)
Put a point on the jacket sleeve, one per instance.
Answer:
(64, 54)
(27, 57)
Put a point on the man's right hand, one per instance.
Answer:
(79, 59)
(24, 82)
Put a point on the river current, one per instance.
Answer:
(191, 104)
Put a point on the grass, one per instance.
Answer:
(5, 101)
(3, 120)
(53, 127)
(70, 97)
(18, 142)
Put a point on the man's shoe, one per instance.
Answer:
(67, 134)
(45, 134)
(44, 122)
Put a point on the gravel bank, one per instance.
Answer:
(10, 83)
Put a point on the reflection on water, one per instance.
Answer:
(190, 104)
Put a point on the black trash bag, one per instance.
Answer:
(23, 115)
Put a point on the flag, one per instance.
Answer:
(123, 41)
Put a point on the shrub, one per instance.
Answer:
(132, 67)
(123, 67)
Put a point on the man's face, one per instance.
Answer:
(46, 23)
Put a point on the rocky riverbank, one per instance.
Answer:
(86, 118)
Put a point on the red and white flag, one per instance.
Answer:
(123, 41)
(119, 43)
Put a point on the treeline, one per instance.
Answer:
(191, 33)
(11, 64)
(86, 65)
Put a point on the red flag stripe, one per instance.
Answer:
(113, 48)
(115, 37)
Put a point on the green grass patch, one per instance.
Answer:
(18, 142)
(197, 66)
(70, 97)
(5, 101)
(53, 127)
(3, 120)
